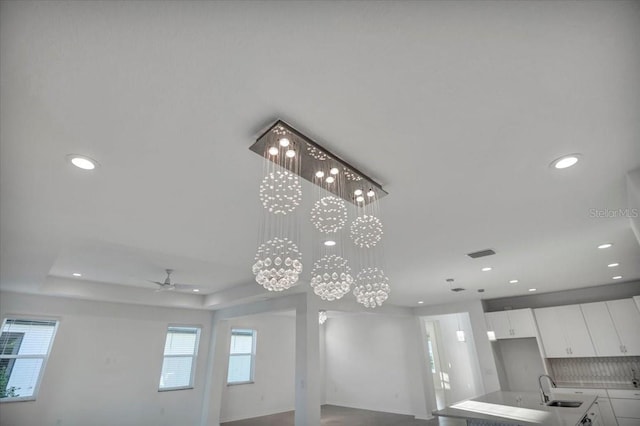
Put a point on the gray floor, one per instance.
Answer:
(333, 415)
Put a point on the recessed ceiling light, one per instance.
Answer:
(565, 161)
(533, 289)
(359, 198)
(330, 179)
(290, 153)
(513, 282)
(329, 243)
(617, 277)
(357, 192)
(319, 174)
(273, 150)
(82, 162)
(371, 193)
(77, 274)
(334, 171)
(420, 302)
(613, 265)
(486, 268)
(196, 290)
(284, 142)
(605, 245)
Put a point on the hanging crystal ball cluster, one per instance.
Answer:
(366, 231)
(331, 277)
(277, 264)
(280, 192)
(329, 214)
(372, 287)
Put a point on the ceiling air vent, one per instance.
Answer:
(481, 253)
(457, 289)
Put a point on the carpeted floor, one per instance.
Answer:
(333, 415)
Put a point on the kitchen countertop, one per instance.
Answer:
(522, 408)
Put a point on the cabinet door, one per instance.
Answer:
(551, 333)
(498, 322)
(606, 412)
(576, 331)
(603, 332)
(594, 414)
(626, 319)
(626, 408)
(522, 323)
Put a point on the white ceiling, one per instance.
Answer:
(457, 108)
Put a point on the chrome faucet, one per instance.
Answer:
(543, 396)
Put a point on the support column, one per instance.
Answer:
(216, 374)
(428, 403)
(307, 387)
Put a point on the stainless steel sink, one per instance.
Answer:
(567, 404)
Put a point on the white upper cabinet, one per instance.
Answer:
(511, 324)
(626, 319)
(564, 332)
(522, 323)
(498, 322)
(614, 327)
(600, 324)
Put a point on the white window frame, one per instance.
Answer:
(45, 358)
(253, 355)
(194, 356)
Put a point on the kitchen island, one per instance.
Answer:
(519, 408)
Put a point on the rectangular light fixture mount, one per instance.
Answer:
(313, 158)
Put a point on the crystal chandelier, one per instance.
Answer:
(340, 191)
(331, 277)
(372, 287)
(277, 264)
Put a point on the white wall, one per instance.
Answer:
(372, 363)
(459, 360)
(486, 360)
(521, 364)
(105, 363)
(273, 390)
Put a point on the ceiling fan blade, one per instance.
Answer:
(164, 287)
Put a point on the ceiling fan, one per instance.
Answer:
(167, 285)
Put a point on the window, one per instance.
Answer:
(180, 350)
(241, 356)
(24, 349)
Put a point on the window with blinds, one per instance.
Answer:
(241, 356)
(180, 350)
(24, 348)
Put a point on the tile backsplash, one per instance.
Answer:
(602, 370)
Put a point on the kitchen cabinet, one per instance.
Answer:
(607, 417)
(511, 324)
(613, 326)
(626, 318)
(626, 406)
(564, 332)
